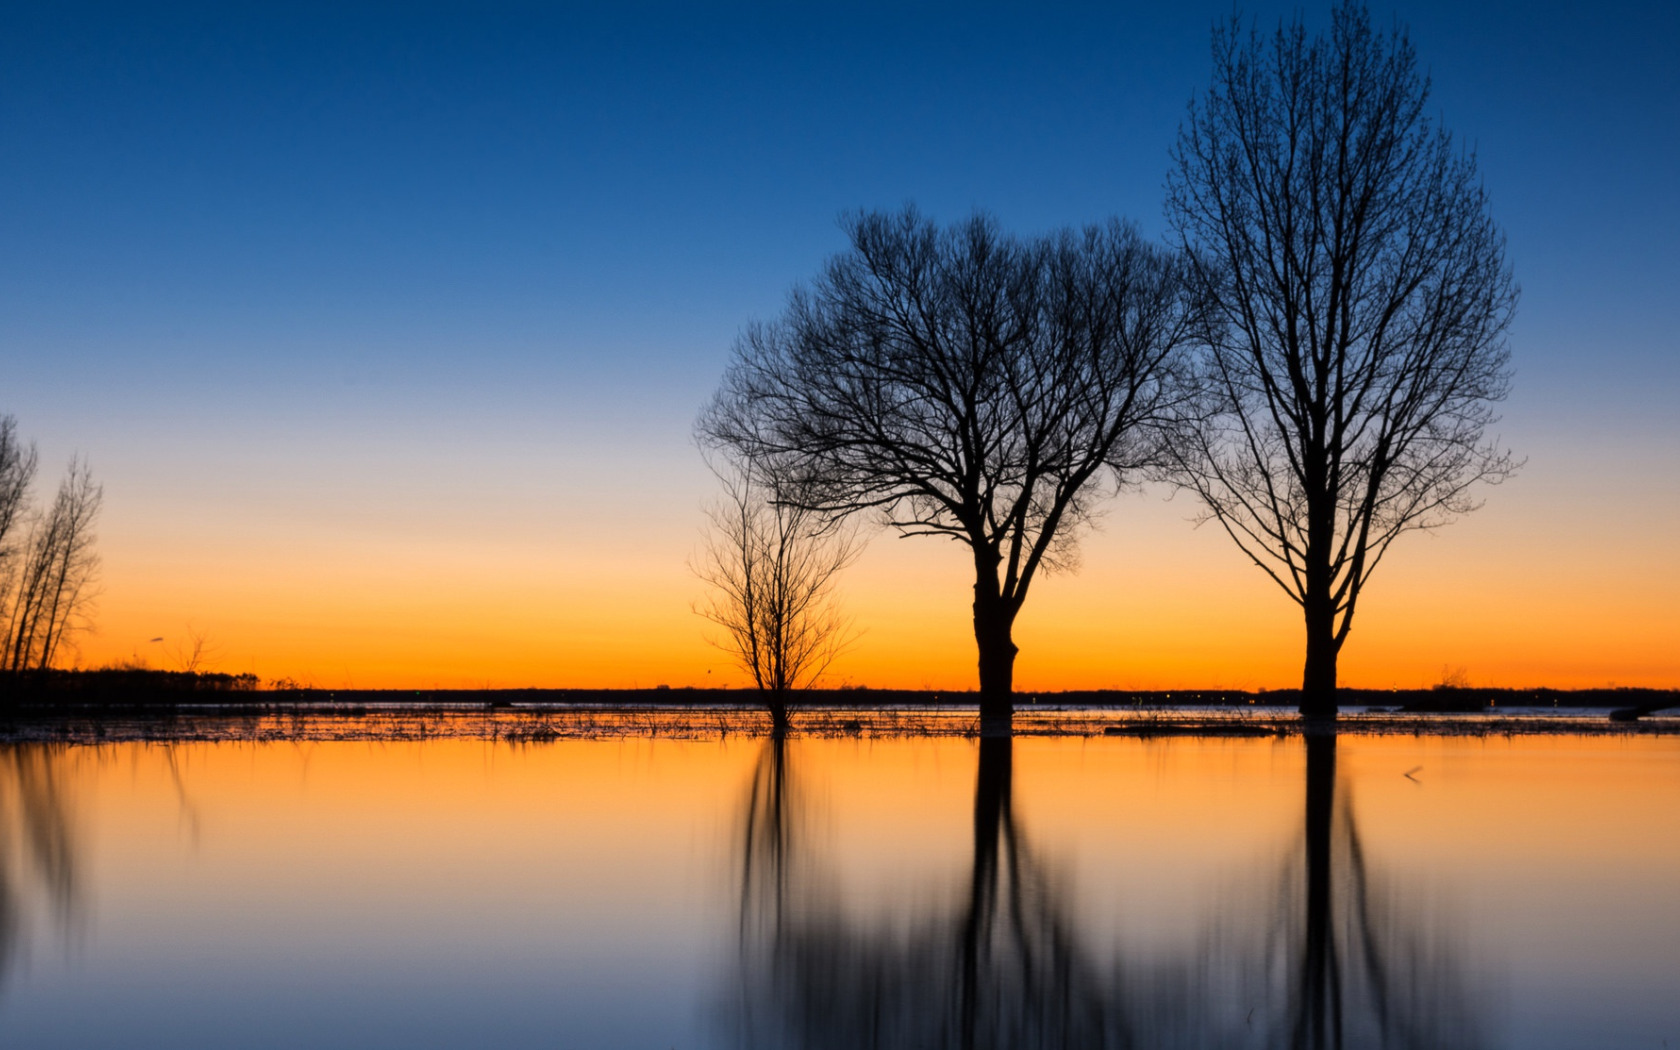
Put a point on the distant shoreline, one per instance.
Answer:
(92, 693)
(102, 707)
(539, 724)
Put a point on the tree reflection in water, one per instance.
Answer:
(1331, 955)
(1323, 959)
(1000, 968)
(38, 850)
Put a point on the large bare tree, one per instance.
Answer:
(1360, 300)
(772, 564)
(967, 385)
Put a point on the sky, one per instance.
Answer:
(384, 327)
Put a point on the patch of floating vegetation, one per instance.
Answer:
(540, 723)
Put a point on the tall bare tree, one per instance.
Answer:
(772, 563)
(1360, 301)
(967, 385)
(54, 587)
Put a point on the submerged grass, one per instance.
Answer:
(538, 723)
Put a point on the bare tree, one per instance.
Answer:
(194, 652)
(17, 471)
(55, 582)
(967, 385)
(1359, 300)
(772, 564)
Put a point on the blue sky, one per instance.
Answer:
(433, 270)
(208, 189)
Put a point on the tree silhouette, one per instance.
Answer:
(772, 563)
(1359, 302)
(53, 588)
(17, 471)
(967, 385)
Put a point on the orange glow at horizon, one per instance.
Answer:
(1154, 604)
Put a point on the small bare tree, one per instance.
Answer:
(772, 564)
(1359, 297)
(54, 590)
(194, 652)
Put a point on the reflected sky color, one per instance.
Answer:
(385, 329)
(590, 892)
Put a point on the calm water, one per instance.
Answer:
(1367, 891)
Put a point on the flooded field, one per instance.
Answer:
(675, 879)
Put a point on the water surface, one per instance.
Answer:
(1367, 890)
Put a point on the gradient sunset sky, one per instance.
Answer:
(385, 326)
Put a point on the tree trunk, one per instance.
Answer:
(992, 634)
(777, 703)
(994, 621)
(1318, 678)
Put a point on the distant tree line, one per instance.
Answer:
(48, 563)
(1314, 354)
